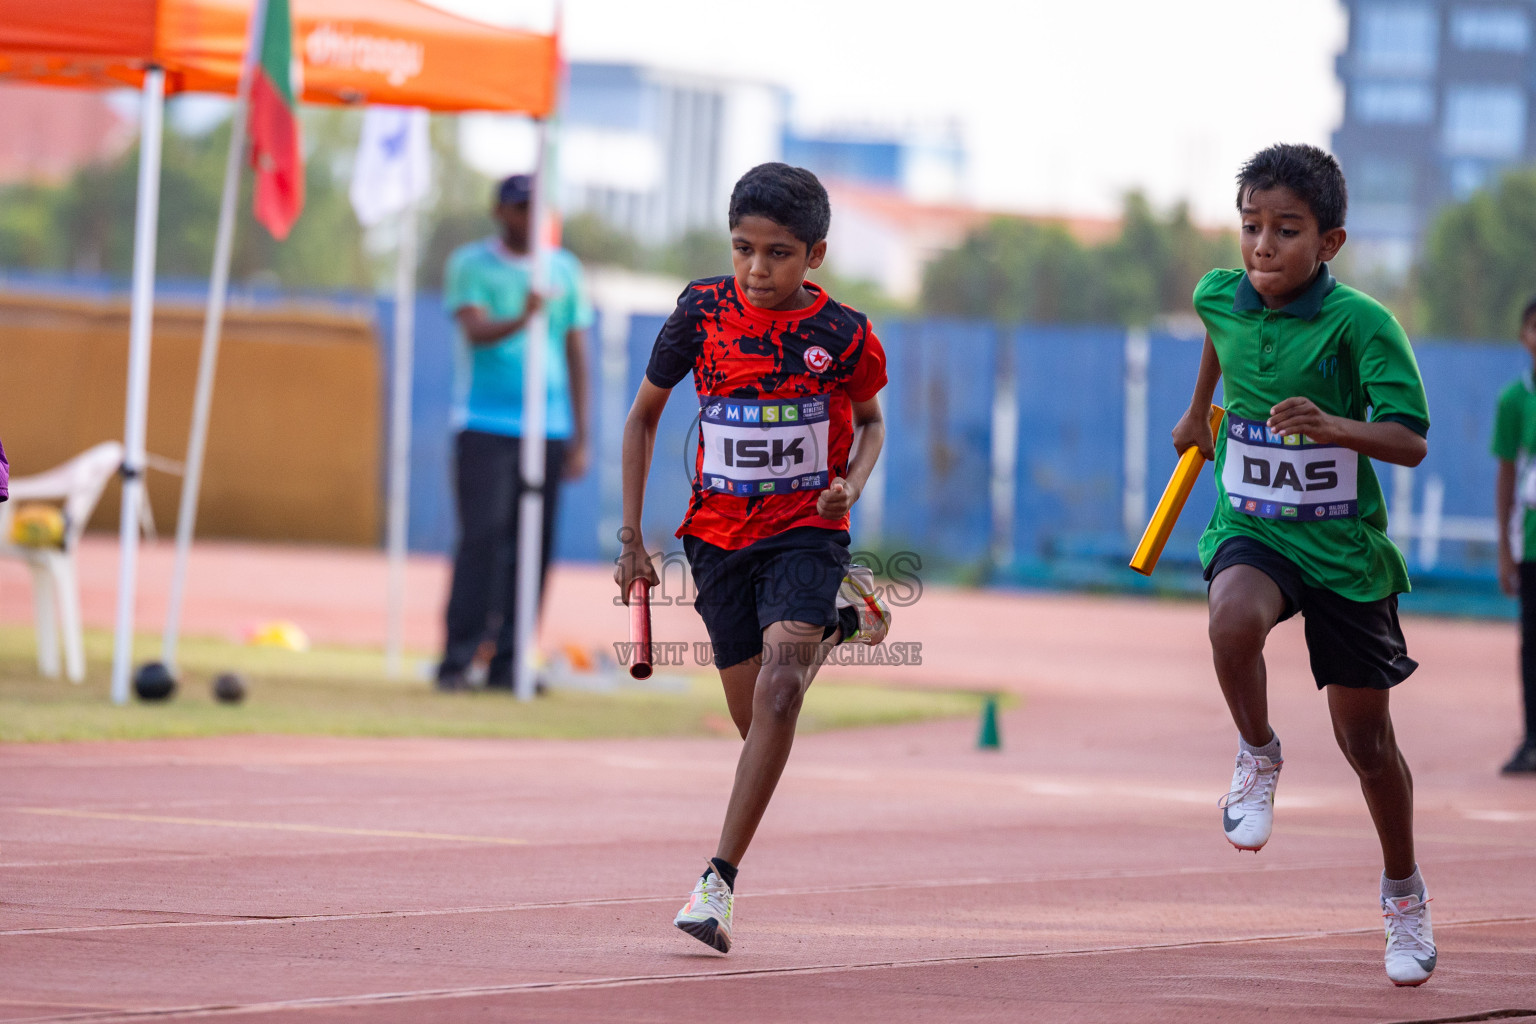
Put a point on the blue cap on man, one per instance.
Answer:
(516, 189)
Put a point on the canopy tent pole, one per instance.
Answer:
(140, 324)
(400, 434)
(213, 322)
(531, 514)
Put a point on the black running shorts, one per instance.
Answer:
(1351, 643)
(790, 577)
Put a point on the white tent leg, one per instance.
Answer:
(45, 610)
(68, 595)
(208, 361)
(530, 538)
(141, 320)
(400, 437)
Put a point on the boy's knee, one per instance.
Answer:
(1235, 629)
(1369, 749)
(780, 692)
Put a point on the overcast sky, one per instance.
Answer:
(1063, 106)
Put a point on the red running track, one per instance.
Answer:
(1077, 875)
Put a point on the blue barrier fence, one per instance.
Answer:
(1014, 455)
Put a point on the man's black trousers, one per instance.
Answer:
(488, 486)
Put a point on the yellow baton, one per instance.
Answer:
(1172, 502)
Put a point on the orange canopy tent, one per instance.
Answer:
(396, 52)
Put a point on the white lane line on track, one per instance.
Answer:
(1502, 817)
(270, 826)
(849, 890)
(479, 991)
(1320, 831)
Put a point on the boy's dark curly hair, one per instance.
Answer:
(791, 196)
(1311, 173)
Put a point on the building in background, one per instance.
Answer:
(655, 152)
(1438, 102)
(882, 236)
(927, 165)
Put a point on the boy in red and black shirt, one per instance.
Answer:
(789, 430)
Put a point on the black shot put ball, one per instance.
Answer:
(228, 688)
(153, 681)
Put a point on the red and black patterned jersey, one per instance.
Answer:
(776, 392)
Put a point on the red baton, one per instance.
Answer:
(640, 629)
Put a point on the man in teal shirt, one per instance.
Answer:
(487, 290)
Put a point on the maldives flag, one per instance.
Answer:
(275, 150)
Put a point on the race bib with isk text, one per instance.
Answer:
(764, 446)
(1291, 478)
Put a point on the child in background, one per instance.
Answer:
(1514, 444)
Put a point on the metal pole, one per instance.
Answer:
(531, 512)
(141, 321)
(213, 322)
(1005, 448)
(1133, 499)
(400, 435)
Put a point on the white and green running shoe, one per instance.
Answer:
(858, 592)
(707, 914)
(1248, 809)
(1410, 939)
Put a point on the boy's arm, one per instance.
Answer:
(1392, 388)
(1504, 510)
(1194, 427)
(639, 441)
(1383, 440)
(868, 439)
(576, 370)
(480, 329)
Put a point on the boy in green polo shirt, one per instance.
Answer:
(1514, 444)
(1319, 380)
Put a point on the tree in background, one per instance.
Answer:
(85, 225)
(460, 208)
(1479, 264)
(1013, 270)
(596, 242)
(1010, 270)
(28, 237)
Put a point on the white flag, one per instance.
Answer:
(394, 163)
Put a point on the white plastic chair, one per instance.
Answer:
(78, 483)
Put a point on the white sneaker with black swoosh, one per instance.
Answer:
(1248, 809)
(1411, 952)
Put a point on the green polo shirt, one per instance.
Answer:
(1348, 354)
(1514, 440)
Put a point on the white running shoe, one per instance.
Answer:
(858, 591)
(707, 914)
(1410, 939)
(1248, 809)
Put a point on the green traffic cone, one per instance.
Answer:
(989, 739)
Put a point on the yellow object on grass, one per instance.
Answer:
(37, 525)
(278, 633)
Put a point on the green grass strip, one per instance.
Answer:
(342, 692)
